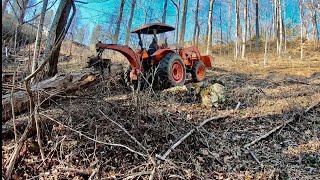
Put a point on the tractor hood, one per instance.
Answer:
(148, 28)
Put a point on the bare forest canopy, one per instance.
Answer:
(99, 20)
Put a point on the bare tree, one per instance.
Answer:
(257, 24)
(237, 46)
(209, 30)
(116, 34)
(164, 15)
(183, 22)
(177, 20)
(244, 36)
(301, 30)
(39, 37)
(133, 5)
(196, 23)
(279, 26)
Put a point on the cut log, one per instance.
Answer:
(57, 85)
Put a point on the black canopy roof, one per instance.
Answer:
(148, 28)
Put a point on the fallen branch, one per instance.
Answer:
(121, 127)
(163, 157)
(79, 171)
(280, 126)
(132, 176)
(94, 140)
(254, 157)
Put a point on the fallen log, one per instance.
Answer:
(53, 87)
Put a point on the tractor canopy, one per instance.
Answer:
(153, 28)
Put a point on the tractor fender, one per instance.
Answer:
(159, 54)
(132, 57)
(207, 59)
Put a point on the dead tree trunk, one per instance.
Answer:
(257, 24)
(244, 36)
(209, 30)
(61, 23)
(116, 34)
(39, 37)
(53, 87)
(196, 23)
(133, 5)
(183, 22)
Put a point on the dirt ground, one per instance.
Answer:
(270, 95)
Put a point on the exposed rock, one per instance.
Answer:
(213, 95)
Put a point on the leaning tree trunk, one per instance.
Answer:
(61, 23)
(116, 34)
(133, 5)
(183, 22)
(209, 31)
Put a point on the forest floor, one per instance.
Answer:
(269, 96)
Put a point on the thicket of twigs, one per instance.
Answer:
(107, 131)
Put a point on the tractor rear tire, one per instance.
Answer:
(171, 71)
(198, 71)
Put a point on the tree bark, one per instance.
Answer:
(39, 37)
(244, 36)
(183, 22)
(257, 24)
(133, 5)
(62, 21)
(116, 34)
(209, 30)
(196, 23)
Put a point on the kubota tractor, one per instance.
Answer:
(160, 65)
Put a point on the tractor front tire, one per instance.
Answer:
(171, 71)
(198, 71)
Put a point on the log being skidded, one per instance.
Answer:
(57, 85)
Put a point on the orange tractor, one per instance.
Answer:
(159, 64)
